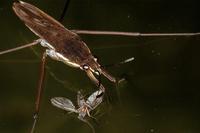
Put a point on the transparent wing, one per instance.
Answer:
(95, 99)
(63, 103)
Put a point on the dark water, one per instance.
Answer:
(161, 92)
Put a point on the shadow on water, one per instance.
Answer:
(161, 91)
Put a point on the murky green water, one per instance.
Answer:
(161, 92)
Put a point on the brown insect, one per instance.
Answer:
(66, 46)
(61, 44)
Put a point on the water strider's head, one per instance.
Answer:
(92, 65)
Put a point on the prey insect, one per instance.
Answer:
(84, 107)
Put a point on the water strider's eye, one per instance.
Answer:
(97, 72)
(85, 67)
(96, 58)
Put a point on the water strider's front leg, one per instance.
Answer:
(94, 79)
(35, 42)
(107, 75)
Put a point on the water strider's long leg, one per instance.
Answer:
(39, 91)
(118, 33)
(64, 11)
(136, 34)
(21, 47)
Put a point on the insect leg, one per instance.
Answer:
(80, 99)
(39, 91)
(88, 112)
(64, 11)
(114, 65)
(21, 47)
(99, 79)
(90, 125)
(134, 34)
(107, 75)
(93, 78)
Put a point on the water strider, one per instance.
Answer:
(61, 44)
(66, 46)
(84, 107)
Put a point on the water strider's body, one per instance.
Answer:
(62, 44)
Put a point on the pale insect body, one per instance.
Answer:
(95, 99)
(84, 107)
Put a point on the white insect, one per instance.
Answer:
(84, 107)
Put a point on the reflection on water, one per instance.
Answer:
(161, 91)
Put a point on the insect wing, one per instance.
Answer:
(34, 18)
(63, 40)
(63, 103)
(95, 99)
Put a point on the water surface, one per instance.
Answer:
(161, 91)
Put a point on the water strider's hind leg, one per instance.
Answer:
(39, 91)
